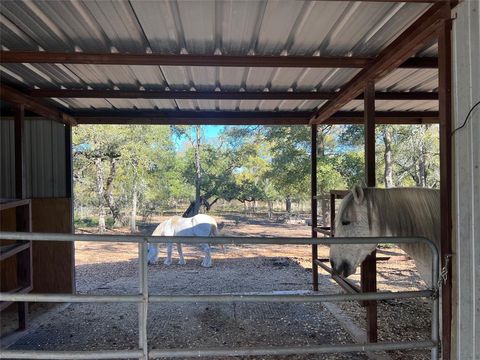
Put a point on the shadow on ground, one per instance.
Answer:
(114, 326)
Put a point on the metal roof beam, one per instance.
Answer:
(404, 46)
(175, 117)
(218, 95)
(405, 1)
(15, 96)
(15, 57)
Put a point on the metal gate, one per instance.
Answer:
(144, 298)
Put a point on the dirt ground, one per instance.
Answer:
(112, 269)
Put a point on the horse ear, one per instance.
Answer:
(358, 194)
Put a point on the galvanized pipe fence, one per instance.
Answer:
(143, 299)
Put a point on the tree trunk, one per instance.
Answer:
(108, 193)
(422, 166)
(189, 212)
(422, 173)
(270, 209)
(288, 205)
(388, 171)
(325, 215)
(321, 134)
(198, 171)
(100, 195)
(133, 222)
(101, 219)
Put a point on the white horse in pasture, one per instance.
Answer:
(198, 225)
(372, 212)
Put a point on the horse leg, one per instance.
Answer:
(207, 260)
(168, 260)
(181, 261)
(152, 253)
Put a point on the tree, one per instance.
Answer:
(410, 155)
(97, 148)
(388, 172)
(118, 162)
(147, 156)
(290, 161)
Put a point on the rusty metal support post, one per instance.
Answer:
(314, 206)
(369, 266)
(69, 194)
(333, 197)
(445, 112)
(22, 215)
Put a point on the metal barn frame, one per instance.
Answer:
(352, 101)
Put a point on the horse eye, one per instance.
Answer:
(345, 222)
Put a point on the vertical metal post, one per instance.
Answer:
(68, 162)
(314, 208)
(332, 214)
(445, 114)
(69, 194)
(435, 308)
(22, 215)
(143, 306)
(369, 266)
(19, 125)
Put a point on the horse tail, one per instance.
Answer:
(214, 231)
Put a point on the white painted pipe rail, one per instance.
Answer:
(144, 298)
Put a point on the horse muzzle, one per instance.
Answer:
(343, 269)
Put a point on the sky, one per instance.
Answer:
(209, 132)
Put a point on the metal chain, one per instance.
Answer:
(443, 277)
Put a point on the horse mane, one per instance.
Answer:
(403, 211)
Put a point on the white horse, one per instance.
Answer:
(198, 225)
(387, 212)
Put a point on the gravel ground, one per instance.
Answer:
(112, 269)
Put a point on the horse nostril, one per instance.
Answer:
(343, 269)
(345, 222)
(332, 264)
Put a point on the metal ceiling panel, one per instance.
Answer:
(84, 104)
(268, 27)
(395, 105)
(232, 78)
(269, 105)
(408, 80)
(228, 104)
(238, 24)
(311, 104)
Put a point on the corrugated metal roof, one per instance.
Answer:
(273, 27)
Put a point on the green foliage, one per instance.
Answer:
(416, 160)
(351, 166)
(290, 160)
(85, 222)
(254, 163)
(111, 163)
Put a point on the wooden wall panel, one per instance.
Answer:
(53, 262)
(8, 268)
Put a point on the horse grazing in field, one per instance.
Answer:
(198, 225)
(387, 212)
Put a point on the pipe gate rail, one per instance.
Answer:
(144, 298)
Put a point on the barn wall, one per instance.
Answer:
(46, 180)
(7, 160)
(44, 159)
(466, 81)
(53, 261)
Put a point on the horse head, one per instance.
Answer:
(354, 219)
